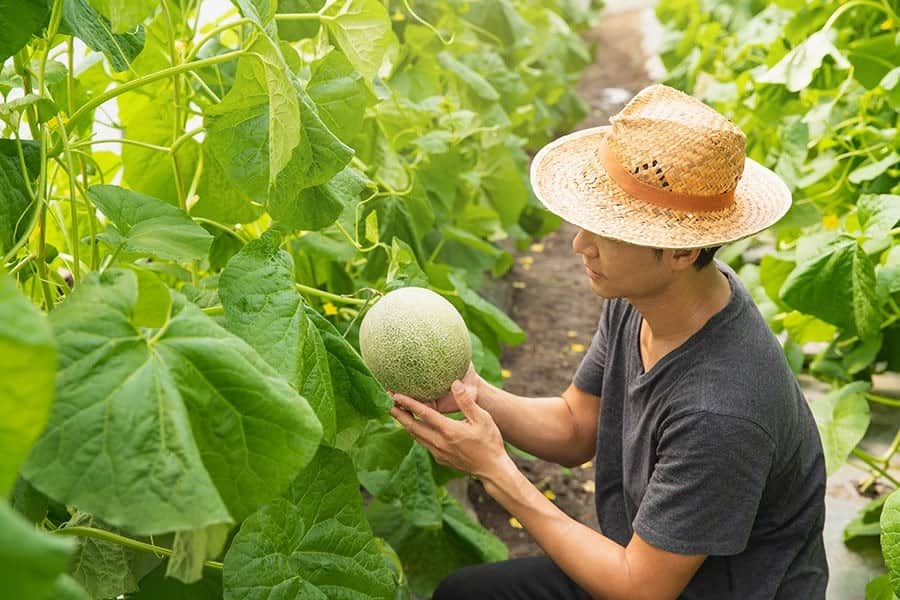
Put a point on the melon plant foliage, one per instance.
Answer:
(195, 214)
(816, 87)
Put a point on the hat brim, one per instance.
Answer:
(570, 181)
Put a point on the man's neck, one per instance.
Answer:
(682, 309)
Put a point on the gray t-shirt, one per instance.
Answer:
(713, 451)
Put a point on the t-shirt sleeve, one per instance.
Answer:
(705, 489)
(589, 374)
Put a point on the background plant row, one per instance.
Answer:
(178, 323)
(816, 88)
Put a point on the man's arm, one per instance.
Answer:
(561, 429)
(600, 566)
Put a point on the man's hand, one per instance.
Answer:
(473, 445)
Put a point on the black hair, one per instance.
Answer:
(704, 258)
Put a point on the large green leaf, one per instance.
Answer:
(149, 225)
(219, 198)
(351, 379)
(340, 94)
(837, 287)
(27, 369)
(31, 562)
(498, 321)
(253, 131)
(23, 19)
(312, 544)
(292, 31)
(82, 21)
(361, 30)
(878, 214)
(183, 430)
(16, 206)
(429, 555)
(263, 307)
(796, 69)
(843, 418)
(397, 471)
(319, 206)
(890, 538)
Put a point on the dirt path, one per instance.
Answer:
(552, 301)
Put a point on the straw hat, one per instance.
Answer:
(668, 172)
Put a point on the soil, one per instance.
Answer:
(551, 300)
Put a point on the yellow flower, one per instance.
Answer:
(587, 465)
(398, 16)
(571, 333)
(588, 486)
(549, 494)
(537, 247)
(330, 309)
(831, 222)
(514, 523)
(577, 347)
(518, 285)
(887, 25)
(506, 373)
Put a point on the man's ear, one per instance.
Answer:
(684, 258)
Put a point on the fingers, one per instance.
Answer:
(465, 399)
(418, 429)
(420, 409)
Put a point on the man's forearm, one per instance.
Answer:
(595, 562)
(544, 427)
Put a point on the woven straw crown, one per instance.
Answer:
(669, 172)
(672, 141)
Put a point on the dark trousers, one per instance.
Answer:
(533, 578)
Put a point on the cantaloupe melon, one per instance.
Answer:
(415, 342)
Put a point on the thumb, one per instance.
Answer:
(465, 399)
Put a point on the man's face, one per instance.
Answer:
(620, 269)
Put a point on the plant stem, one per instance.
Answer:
(878, 399)
(214, 310)
(73, 206)
(302, 17)
(872, 462)
(844, 8)
(109, 536)
(328, 295)
(150, 78)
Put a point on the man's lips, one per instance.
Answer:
(591, 273)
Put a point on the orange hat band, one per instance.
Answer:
(654, 195)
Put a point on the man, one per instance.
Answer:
(710, 473)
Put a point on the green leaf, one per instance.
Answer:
(156, 586)
(103, 568)
(869, 171)
(192, 548)
(29, 17)
(218, 198)
(880, 589)
(795, 71)
(403, 268)
(430, 555)
(85, 23)
(398, 471)
(890, 538)
(878, 214)
(263, 307)
(180, 431)
(16, 206)
(505, 328)
(153, 301)
(31, 562)
(503, 182)
(125, 15)
(27, 369)
(361, 30)
(291, 31)
(149, 225)
(319, 206)
(315, 543)
(351, 379)
(28, 502)
(837, 287)
(478, 84)
(66, 588)
(842, 417)
(340, 94)
(254, 129)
